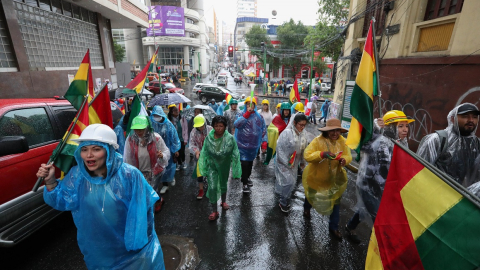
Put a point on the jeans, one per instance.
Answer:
(334, 216)
(246, 170)
(354, 221)
(313, 117)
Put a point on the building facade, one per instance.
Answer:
(246, 8)
(429, 58)
(43, 42)
(242, 57)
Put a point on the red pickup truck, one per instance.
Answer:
(30, 129)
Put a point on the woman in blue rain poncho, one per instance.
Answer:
(167, 130)
(250, 131)
(111, 204)
(221, 107)
(120, 132)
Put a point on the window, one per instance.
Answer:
(7, 57)
(33, 123)
(440, 8)
(375, 9)
(65, 115)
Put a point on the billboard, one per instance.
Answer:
(166, 21)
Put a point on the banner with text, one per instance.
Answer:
(166, 21)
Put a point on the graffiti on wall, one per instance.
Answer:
(467, 94)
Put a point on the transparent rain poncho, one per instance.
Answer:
(289, 142)
(458, 157)
(324, 180)
(113, 215)
(153, 142)
(249, 134)
(170, 136)
(216, 159)
(231, 117)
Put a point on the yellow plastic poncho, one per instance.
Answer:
(324, 180)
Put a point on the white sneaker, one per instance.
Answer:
(173, 183)
(163, 190)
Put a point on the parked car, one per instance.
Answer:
(208, 93)
(198, 86)
(30, 130)
(152, 76)
(156, 87)
(222, 80)
(170, 87)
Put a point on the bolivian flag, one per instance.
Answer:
(422, 222)
(361, 107)
(138, 82)
(228, 98)
(294, 95)
(273, 132)
(99, 111)
(81, 83)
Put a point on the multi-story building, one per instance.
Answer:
(246, 8)
(43, 42)
(242, 57)
(429, 57)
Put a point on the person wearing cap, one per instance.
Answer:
(221, 107)
(231, 115)
(250, 131)
(146, 151)
(278, 110)
(376, 155)
(242, 98)
(111, 204)
(278, 125)
(290, 146)
(196, 111)
(168, 132)
(325, 179)
(181, 126)
(455, 149)
(213, 105)
(197, 138)
(219, 154)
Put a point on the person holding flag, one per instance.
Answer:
(290, 146)
(249, 132)
(180, 123)
(278, 125)
(146, 151)
(231, 115)
(167, 131)
(111, 204)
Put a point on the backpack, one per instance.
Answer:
(443, 136)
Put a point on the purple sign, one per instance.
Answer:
(166, 21)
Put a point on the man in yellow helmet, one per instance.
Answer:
(376, 157)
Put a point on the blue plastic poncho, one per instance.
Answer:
(120, 132)
(221, 107)
(324, 108)
(113, 215)
(214, 106)
(170, 136)
(249, 134)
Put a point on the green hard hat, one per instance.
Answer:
(233, 101)
(285, 106)
(139, 122)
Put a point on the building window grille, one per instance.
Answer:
(441, 8)
(7, 56)
(55, 41)
(170, 55)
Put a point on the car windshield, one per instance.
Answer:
(170, 85)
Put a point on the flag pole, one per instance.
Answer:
(375, 52)
(442, 175)
(62, 143)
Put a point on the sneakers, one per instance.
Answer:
(184, 166)
(200, 194)
(249, 183)
(284, 209)
(164, 189)
(173, 183)
(351, 235)
(213, 216)
(246, 189)
(178, 168)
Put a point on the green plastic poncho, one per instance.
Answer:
(216, 159)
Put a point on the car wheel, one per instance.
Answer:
(204, 99)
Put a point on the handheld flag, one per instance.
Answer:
(294, 95)
(423, 222)
(138, 82)
(273, 132)
(99, 110)
(308, 107)
(81, 83)
(292, 159)
(361, 107)
(228, 98)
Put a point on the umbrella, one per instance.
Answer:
(207, 112)
(168, 99)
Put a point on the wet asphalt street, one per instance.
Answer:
(252, 234)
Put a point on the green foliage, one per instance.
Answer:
(323, 33)
(333, 11)
(291, 35)
(254, 38)
(118, 51)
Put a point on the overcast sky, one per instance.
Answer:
(304, 10)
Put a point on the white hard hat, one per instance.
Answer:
(98, 133)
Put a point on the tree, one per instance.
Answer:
(334, 12)
(118, 51)
(326, 38)
(291, 36)
(254, 38)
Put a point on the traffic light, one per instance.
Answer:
(230, 51)
(236, 49)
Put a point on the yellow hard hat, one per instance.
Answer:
(395, 116)
(198, 121)
(299, 107)
(278, 105)
(171, 106)
(248, 99)
(265, 101)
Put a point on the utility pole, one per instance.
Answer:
(264, 50)
(312, 73)
(199, 67)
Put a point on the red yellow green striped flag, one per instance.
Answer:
(99, 111)
(361, 107)
(138, 82)
(273, 132)
(82, 81)
(294, 94)
(228, 98)
(422, 222)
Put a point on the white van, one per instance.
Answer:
(222, 80)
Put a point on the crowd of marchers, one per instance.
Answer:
(117, 185)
